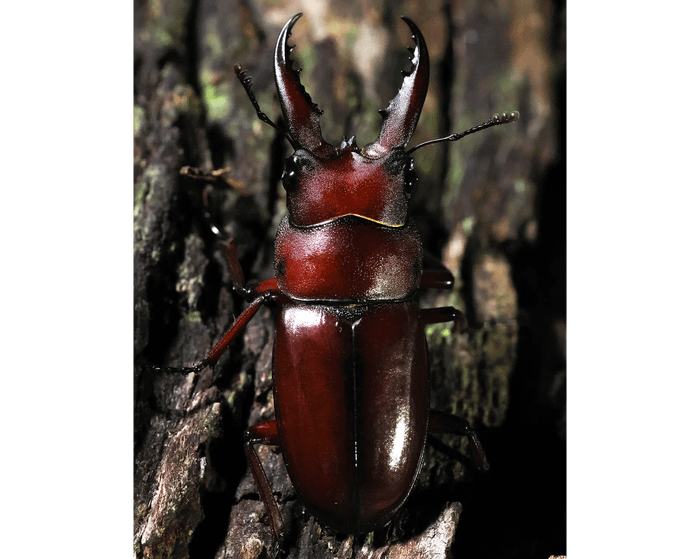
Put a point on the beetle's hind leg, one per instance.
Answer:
(441, 423)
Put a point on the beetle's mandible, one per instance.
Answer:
(349, 332)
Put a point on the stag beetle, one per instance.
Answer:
(350, 362)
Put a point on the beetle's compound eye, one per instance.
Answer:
(290, 177)
(297, 163)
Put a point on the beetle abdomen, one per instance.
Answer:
(351, 403)
(348, 259)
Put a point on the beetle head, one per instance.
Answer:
(325, 182)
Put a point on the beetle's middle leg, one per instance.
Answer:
(445, 423)
(263, 433)
(444, 314)
(236, 328)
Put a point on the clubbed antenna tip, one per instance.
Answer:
(495, 120)
(505, 118)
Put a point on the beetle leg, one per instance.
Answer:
(435, 274)
(248, 292)
(241, 322)
(441, 422)
(234, 266)
(215, 354)
(444, 314)
(263, 433)
(436, 279)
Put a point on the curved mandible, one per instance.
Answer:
(300, 113)
(401, 116)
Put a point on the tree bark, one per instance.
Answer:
(491, 205)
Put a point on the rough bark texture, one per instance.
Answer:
(493, 205)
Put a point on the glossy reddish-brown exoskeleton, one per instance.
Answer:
(351, 386)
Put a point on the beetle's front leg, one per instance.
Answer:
(435, 274)
(441, 423)
(248, 292)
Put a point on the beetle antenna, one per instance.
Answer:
(246, 80)
(495, 120)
